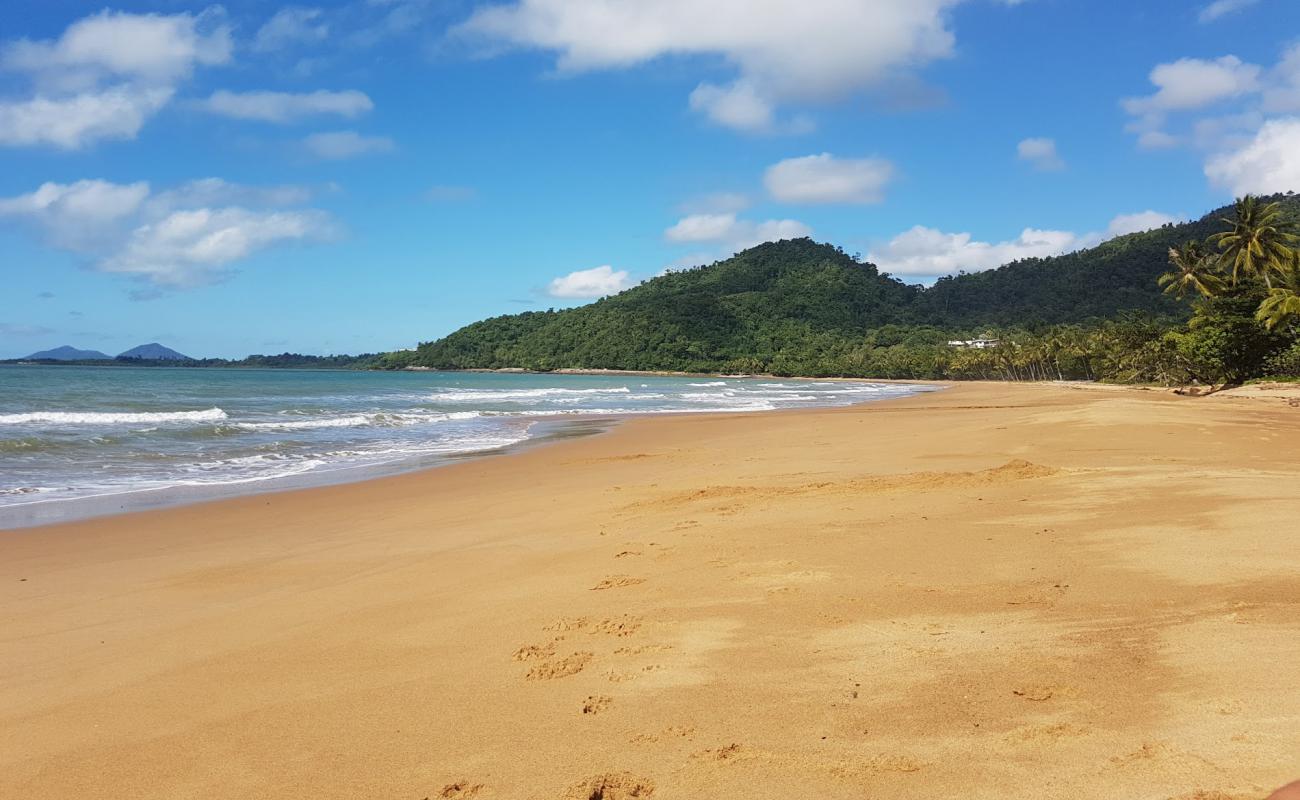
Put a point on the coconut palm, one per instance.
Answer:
(1283, 302)
(1193, 271)
(1259, 241)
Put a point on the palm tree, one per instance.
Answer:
(1283, 302)
(1259, 241)
(1193, 271)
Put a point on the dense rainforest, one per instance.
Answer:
(797, 307)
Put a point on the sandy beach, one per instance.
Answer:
(991, 591)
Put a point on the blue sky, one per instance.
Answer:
(364, 175)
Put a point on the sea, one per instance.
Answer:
(83, 441)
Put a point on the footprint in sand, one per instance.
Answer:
(669, 733)
(617, 582)
(627, 553)
(559, 668)
(610, 786)
(1035, 693)
(729, 753)
(625, 625)
(460, 790)
(535, 652)
(596, 703)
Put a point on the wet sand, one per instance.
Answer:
(992, 591)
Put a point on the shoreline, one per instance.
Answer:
(55, 510)
(994, 590)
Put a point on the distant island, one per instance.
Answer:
(68, 353)
(154, 352)
(158, 355)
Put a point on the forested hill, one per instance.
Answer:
(790, 306)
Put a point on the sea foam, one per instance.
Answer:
(110, 417)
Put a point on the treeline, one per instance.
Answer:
(800, 308)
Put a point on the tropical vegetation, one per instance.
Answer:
(1212, 301)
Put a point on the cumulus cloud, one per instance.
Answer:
(291, 26)
(587, 284)
(75, 121)
(1241, 115)
(929, 252)
(337, 145)
(732, 233)
(1190, 83)
(1269, 162)
(106, 75)
(154, 48)
(823, 178)
(782, 51)
(1136, 223)
(194, 247)
(77, 216)
(1041, 153)
(186, 236)
(1222, 8)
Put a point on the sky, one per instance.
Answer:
(364, 175)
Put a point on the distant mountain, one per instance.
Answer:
(69, 353)
(154, 352)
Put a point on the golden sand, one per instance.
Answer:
(988, 592)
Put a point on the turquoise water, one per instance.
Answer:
(72, 433)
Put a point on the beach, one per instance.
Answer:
(990, 591)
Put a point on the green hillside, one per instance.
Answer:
(800, 307)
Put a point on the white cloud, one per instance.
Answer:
(1136, 223)
(290, 26)
(195, 247)
(73, 122)
(284, 107)
(77, 216)
(729, 231)
(1191, 83)
(737, 106)
(782, 51)
(928, 251)
(591, 283)
(186, 236)
(106, 75)
(1220, 8)
(702, 228)
(1270, 162)
(155, 48)
(345, 144)
(1041, 153)
(826, 179)
(1283, 92)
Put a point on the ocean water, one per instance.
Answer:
(76, 441)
